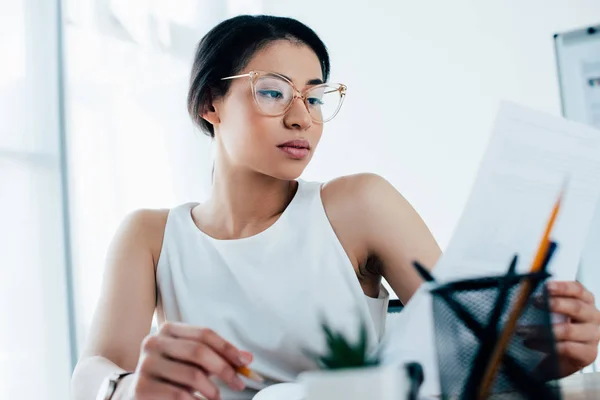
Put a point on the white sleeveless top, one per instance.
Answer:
(267, 293)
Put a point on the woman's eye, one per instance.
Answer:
(315, 101)
(271, 94)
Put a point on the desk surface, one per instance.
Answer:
(581, 386)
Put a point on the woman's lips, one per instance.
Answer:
(297, 153)
(296, 149)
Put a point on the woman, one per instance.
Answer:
(247, 277)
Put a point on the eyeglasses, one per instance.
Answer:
(274, 95)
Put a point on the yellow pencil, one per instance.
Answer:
(538, 263)
(248, 373)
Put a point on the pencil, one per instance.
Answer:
(248, 373)
(537, 265)
(245, 371)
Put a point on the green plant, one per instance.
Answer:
(341, 353)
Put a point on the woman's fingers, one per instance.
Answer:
(187, 377)
(576, 309)
(223, 348)
(577, 343)
(205, 357)
(576, 332)
(179, 361)
(568, 331)
(246, 356)
(570, 289)
(198, 358)
(209, 337)
(581, 353)
(148, 388)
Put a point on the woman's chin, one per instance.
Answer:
(289, 172)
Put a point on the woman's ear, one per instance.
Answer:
(209, 112)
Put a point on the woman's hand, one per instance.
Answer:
(179, 360)
(577, 339)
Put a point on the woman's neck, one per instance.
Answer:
(242, 204)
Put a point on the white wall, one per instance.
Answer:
(132, 144)
(34, 336)
(424, 79)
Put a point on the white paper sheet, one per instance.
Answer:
(527, 160)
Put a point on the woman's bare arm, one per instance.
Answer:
(373, 220)
(127, 302)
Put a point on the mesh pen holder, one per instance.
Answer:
(470, 316)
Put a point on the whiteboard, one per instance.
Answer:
(578, 64)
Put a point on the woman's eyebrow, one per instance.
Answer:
(315, 81)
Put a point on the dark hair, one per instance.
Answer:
(229, 46)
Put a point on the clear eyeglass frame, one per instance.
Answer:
(327, 88)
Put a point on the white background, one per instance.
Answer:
(34, 334)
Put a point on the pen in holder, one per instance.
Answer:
(474, 318)
(468, 323)
(477, 324)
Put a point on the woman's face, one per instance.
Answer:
(248, 138)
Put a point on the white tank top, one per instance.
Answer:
(267, 293)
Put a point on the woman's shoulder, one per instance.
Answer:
(362, 189)
(144, 228)
(358, 200)
(146, 221)
(365, 200)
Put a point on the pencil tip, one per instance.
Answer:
(256, 377)
(565, 185)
